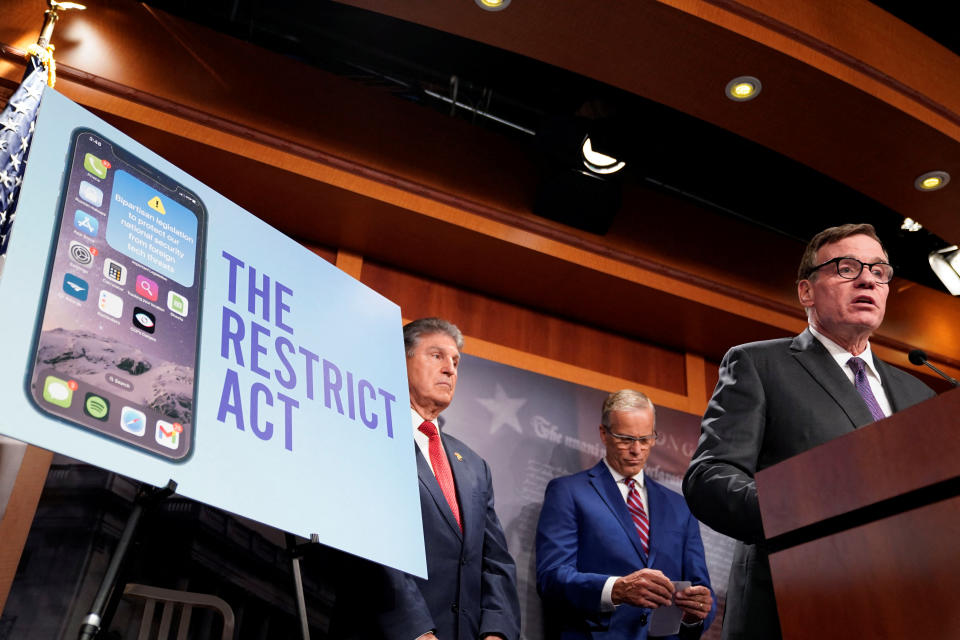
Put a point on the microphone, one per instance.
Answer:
(918, 357)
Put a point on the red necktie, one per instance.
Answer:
(635, 506)
(441, 468)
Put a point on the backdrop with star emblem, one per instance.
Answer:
(532, 428)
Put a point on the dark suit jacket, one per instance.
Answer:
(585, 535)
(471, 588)
(774, 399)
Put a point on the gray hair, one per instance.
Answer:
(625, 400)
(412, 331)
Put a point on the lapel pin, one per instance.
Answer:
(459, 457)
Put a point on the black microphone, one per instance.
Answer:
(918, 357)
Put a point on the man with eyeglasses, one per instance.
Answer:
(610, 541)
(778, 398)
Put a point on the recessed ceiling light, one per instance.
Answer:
(493, 5)
(743, 88)
(599, 162)
(932, 180)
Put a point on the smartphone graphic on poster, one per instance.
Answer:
(116, 344)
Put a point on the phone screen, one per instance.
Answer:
(116, 347)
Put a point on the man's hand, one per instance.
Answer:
(427, 636)
(695, 603)
(644, 588)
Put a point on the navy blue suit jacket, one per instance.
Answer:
(585, 535)
(471, 588)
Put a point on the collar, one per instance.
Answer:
(619, 477)
(416, 420)
(841, 355)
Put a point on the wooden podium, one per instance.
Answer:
(864, 531)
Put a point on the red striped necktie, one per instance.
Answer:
(635, 506)
(441, 468)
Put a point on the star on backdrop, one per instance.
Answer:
(504, 410)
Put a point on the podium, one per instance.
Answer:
(864, 531)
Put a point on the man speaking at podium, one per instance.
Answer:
(471, 589)
(778, 398)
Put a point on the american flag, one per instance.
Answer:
(16, 131)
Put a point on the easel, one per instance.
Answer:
(296, 552)
(147, 498)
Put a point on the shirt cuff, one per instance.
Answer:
(606, 596)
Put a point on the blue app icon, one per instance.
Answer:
(86, 223)
(133, 421)
(76, 287)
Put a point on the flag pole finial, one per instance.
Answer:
(42, 51)
(51, 15)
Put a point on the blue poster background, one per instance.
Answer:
(294, 433)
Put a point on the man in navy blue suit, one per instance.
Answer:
(610, 542)
(471, 589)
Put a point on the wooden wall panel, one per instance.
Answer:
(530, 331)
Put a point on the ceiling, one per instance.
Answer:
(547, 109)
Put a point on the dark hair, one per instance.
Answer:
(425, 326)
(809, 260)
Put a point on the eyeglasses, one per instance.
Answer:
(624, 442)
(850, 269)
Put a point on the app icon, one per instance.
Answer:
(96, 406)
(148, 288)
(133, 421)
(76, 287)
(95, 165)
(177, 303)
(86, 223)
(90, 193)
(110, 304)
(157, 205)
(80, 253)
(58, 392)
(168, 434)
(144, 320)
(114, 271)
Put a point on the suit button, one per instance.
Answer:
(454, 608)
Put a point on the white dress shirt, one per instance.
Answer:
(841, 356)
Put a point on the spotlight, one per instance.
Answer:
(743, 88)
(946, 264)
(932, 180)
(909, 224)
(599, 162)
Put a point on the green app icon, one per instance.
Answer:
(95, 165)
(57, 391)
(96, 406)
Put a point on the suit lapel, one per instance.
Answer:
(818, 362)
(429, 483)
(609, 492)
(896, 394)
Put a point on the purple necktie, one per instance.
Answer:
(863, 387)
(635, 507)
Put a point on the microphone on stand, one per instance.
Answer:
(918, 357)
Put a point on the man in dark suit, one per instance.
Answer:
(471, 589)
(778, 398)
(610, 541)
